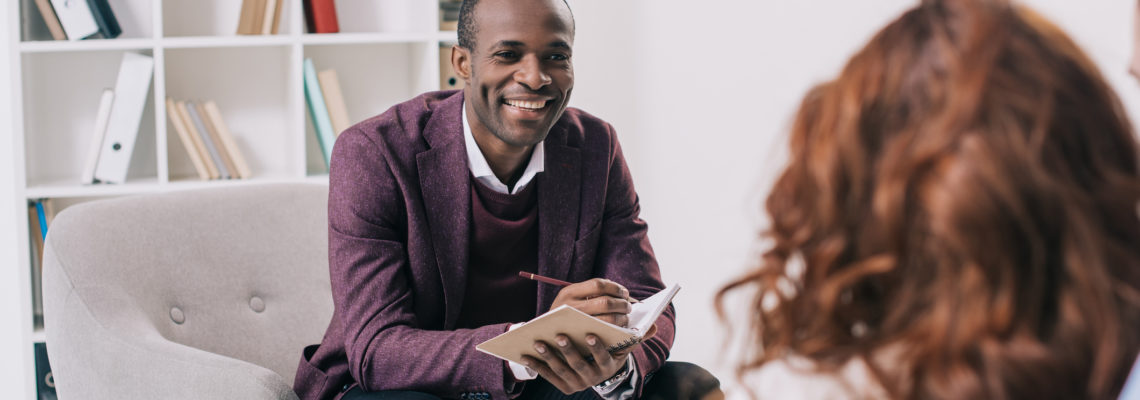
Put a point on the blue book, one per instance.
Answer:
(318, 111)
(42, 217)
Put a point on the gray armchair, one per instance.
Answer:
(202, 294)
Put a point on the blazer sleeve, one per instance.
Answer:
(386, 346)
(624, 255)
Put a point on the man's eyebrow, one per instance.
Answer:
(561, 44)
(509, 43)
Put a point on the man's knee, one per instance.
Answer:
(682, 381)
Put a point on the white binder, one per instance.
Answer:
(76, 17)
(131, 90)
(97, 133)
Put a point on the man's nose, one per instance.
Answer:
(531, 74)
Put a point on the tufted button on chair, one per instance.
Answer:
(200, 294)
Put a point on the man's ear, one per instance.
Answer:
(461, 62)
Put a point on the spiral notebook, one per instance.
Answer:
(514, 344)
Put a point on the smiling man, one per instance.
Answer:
(437, 204)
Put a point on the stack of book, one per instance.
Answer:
(326, 106)
(79, 19)
(260, 17)
(449, 14)
(117, 121)
(40, 214)
(207, 140)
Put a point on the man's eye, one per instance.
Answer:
(506, 54)
(559, 57)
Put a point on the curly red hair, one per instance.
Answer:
(966, 192)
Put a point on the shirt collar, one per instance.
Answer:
(482, 170)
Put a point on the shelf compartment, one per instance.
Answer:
(71, 84)
(373, 77)
(215, 18)
(250, 87)
(387, 16)
(133, 16)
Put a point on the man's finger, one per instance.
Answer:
(543, 369)
(595, 288)
(603, 305)
(579, 367)
(621, 320)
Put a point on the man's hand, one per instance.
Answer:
(563, 366)
(569, 371)
(602, 298)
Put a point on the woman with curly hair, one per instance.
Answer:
(958, 221)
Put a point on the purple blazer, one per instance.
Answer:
(399, 226)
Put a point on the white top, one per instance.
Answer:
(482, 170)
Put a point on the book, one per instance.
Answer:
(76, 18)
(514, 344)
(211, 148)
(334, 100)
(318, 111)
(266, 27)
(97, 133)
(448, 79)
(199, 144)
(320, 16)
(187, 142)
(45, 382)
(131, 90)
(36, 234)
(248, 17)
(215, 117)
(105, 18)
(51, 20)
(216, 139)
(277, 17)
(40, 215)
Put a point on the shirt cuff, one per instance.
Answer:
(521, 372)
(624, 390)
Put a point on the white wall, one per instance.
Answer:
(705, 92)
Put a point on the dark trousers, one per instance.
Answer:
(674, 381)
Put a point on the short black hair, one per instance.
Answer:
(467, 23)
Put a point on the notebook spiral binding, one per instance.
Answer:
(624, 344)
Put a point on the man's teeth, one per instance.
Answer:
(532, 105)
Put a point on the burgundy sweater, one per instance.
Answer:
(504, 241)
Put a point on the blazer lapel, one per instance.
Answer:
(446, 185)
(558, 206)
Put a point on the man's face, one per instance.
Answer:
(519, 75)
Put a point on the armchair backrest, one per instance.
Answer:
(240, 271)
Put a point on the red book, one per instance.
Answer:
(320, 16)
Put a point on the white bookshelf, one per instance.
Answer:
(387, 52)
